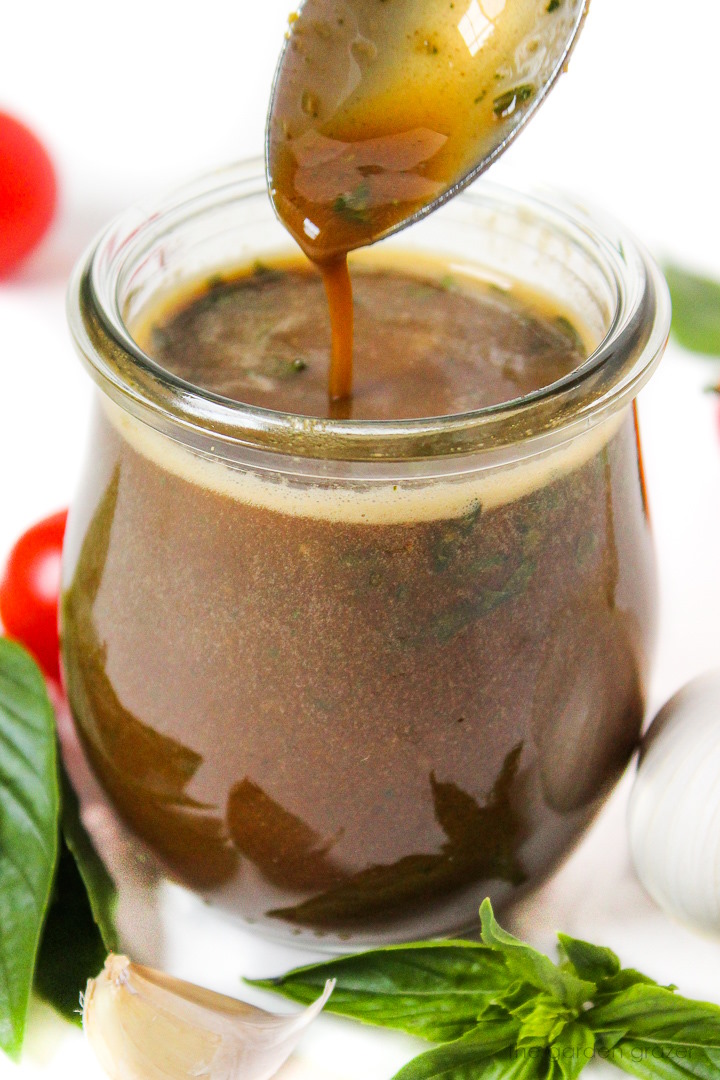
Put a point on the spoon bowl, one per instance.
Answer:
(381, 110)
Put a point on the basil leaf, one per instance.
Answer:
(591, 962)
(534, 1020)
(650, 1062)
(542, 1020)
(533, 967)
(72, 949)
(573, 1049)
(624, 979)
(99, 886)
(696, 310)
(435, 990)
(655, 1012)
(29, 811)
(80, 928)
(472, 1058)
(649, 1031)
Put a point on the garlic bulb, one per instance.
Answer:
(674, 815)
(144, 1025)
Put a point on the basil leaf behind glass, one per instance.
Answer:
(29, 812)
(80, 928)
(696, 310)
(72, 949)
(435, 990)
(99, 886)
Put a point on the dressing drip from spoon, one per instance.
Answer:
(383, 109)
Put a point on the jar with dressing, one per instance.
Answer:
(346, 677)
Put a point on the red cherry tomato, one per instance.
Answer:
(30, 589)
(28, 192)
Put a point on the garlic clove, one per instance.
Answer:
(674, 812)
(145, 1025)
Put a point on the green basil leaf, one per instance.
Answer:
(591, 962)
(653, 1012)
(533, 967)
(652, 1062)
(72, 949)
(542, 1020)
(100, 887)
(472, 1058)
(29, 811)
(651, 1032)
(624, 979)
(696, 310)
(533, 1018)
(80, 928)
(435, 990)
(573, 1049)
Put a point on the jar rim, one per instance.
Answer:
(606, 381)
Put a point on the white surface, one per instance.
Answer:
(132, 99)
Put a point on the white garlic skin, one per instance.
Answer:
(674, 812)
(145, 1025)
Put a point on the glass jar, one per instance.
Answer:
(346, 678)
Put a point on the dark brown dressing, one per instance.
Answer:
(349, 727)
(425, 346)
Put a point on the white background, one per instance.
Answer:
(133, 98)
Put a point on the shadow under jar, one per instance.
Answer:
(346, 678)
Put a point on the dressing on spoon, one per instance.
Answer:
(383, 109)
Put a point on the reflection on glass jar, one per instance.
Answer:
(346, 678)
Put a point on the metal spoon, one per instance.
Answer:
(381, 110)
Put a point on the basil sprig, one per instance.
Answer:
(56, 899)
(501, 1010)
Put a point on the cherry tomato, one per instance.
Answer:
(30, 589)
(28, 192)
